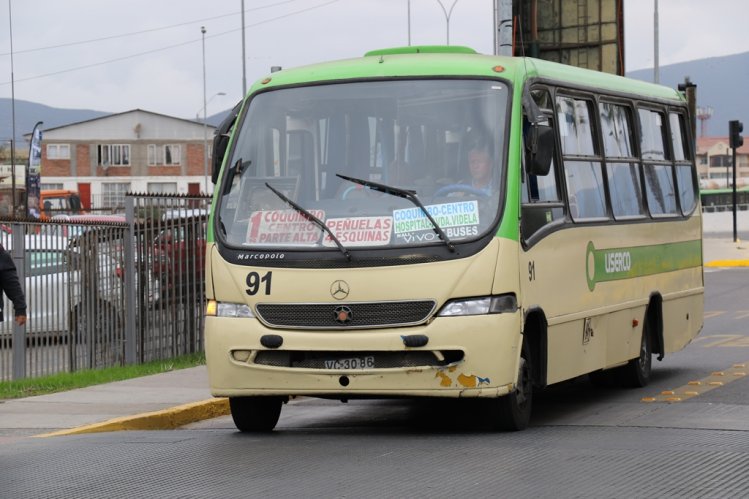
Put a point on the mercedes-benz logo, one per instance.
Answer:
(339, 289)
(343, 315)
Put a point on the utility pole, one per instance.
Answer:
(656, 69)
(503, 27)
(205, 120)
(244, 59)
(12, 114)
(447, 17)
(409, 23)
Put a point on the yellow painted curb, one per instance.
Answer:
(166, 419)
(728, 263)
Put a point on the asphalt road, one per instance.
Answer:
(685, 435)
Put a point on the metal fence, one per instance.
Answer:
(105, 293)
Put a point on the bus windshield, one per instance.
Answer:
(383, 164)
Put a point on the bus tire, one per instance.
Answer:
(255, 414)
(513, 411)
(636, 373)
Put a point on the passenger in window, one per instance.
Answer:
(480, 166)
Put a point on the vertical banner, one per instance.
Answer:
(33, 174)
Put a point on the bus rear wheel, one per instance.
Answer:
(636, 373)
(513, 412)
(255, 414)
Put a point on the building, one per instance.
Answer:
(714, 158)
(133, 151)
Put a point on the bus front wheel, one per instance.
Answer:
(255, 414)
(513, 412)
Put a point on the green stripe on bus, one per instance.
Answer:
(613, 264)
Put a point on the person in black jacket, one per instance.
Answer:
(10, 284)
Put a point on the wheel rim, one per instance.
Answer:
(645, 355)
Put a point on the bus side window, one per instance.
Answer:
(657, 166)
(541, 201)
(582, 165)
(622, 167)
(685, 178)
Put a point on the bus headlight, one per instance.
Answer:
(224, 309)
(480, 306)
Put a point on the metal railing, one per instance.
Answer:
(108, 293)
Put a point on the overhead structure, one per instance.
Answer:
(582, 33)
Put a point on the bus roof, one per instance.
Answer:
(435, 60)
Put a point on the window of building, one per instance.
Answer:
(58, 151)
(167, 154)
(162, 187)
(113, 194)
(114, 154)
(45, 187)
(720, 160)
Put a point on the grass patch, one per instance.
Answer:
(88, 377)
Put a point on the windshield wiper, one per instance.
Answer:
(405, 194)
(312, 218)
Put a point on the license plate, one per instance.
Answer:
(367, 362)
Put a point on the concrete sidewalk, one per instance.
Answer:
(176, 398)
(159, 401)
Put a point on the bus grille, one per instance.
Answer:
(361, 315)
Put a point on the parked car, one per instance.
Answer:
(179, 254)
(66, 225)
(71, 288)
(56, 287)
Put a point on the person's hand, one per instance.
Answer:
(20, 320)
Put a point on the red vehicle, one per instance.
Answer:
(179, 255)
(59, 202)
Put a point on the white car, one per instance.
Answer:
(67, 287)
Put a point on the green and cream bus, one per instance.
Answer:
(354, 252)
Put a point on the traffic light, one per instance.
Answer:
(735, 127)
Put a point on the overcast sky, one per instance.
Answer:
(155, 46)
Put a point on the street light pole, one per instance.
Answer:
(409, 22)
(244, 58)
(12, 114)
(205, 122)
(447, 17)
(656, 50)
(197, 113)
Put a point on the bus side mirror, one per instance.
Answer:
(540, 149)
(221, 141)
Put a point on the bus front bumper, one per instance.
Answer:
(473, 356)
